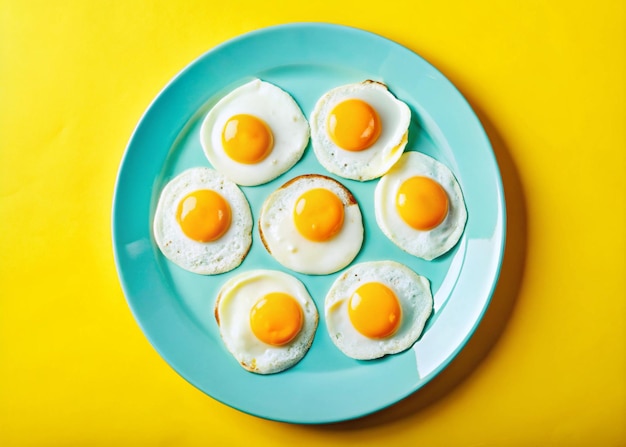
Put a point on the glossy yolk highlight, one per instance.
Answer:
(247, 139)
(422, 203)
(374, 310)
(318, 214)
(203, 215)
(354, 125)
(276, 318)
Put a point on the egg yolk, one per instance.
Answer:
(354, 125)
(247, 139)
(318, 214)
(276, 318)
(374, 310)
(422, 203)
(203, 215)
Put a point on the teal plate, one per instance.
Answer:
(175, 308)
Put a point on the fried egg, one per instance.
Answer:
(419, 206)
(203, 222)
(255, 133)
(267, 320)
(377, 308)
(358, 131)
(312, 224)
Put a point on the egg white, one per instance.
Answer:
(235, 300)
(424, 244)
(206, 258)
(278, 110)
(395, 117)
(413, 292)
(283, 241)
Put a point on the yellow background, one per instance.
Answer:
(546, 367)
